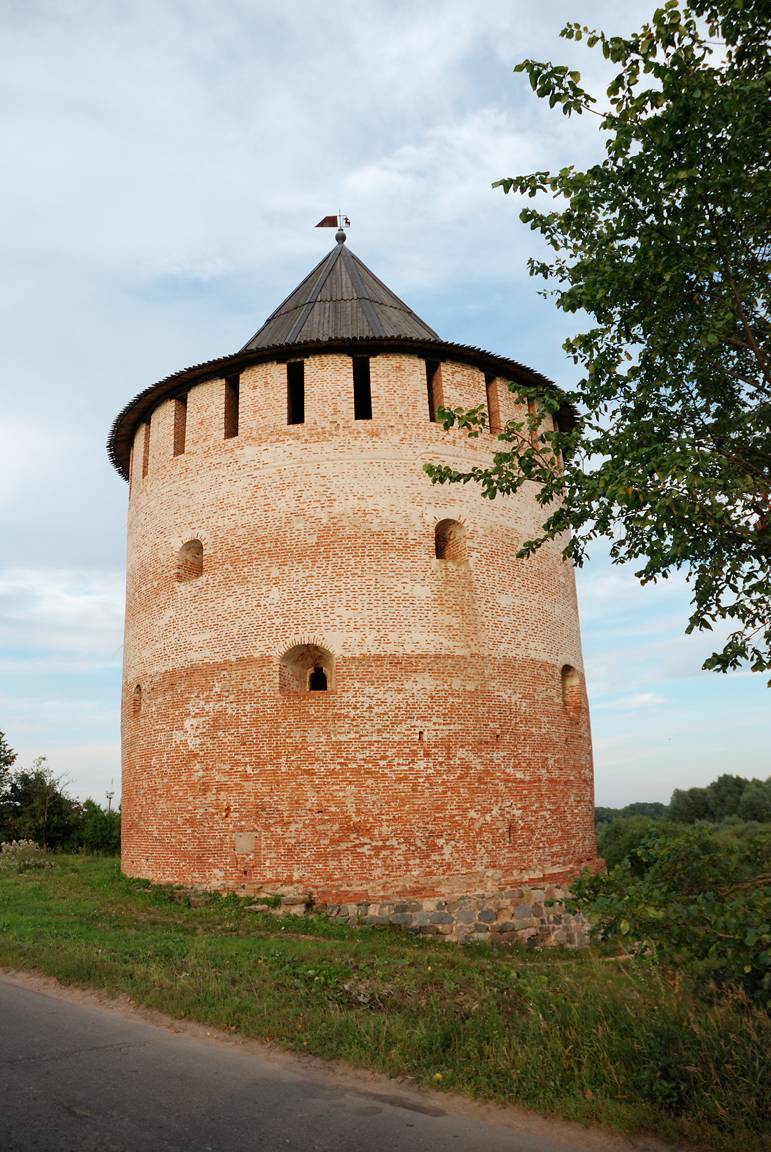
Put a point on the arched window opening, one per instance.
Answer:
(572, 691)
(136, 700)
(190, 561)
(450, 541)
(306, 668)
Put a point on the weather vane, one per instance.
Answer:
(340, 222)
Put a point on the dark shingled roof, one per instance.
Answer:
(339, 300)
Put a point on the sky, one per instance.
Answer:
(165, 162)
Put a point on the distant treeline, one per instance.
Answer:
(728, 797)
(35, 805)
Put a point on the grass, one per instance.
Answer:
(574, 1035)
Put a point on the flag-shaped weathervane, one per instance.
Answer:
(338, 221)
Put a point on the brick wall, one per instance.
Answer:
(444, 759)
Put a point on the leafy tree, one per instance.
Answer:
(755, 803)
(7, 760)
(645, 808)
(725, 795)
(99, 830)
(638, 808)
(37, 807)
(689, 805)
(664, 244)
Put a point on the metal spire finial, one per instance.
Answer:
(339, 222)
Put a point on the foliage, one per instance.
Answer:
(571, 1034)
(618, 839)
(36, 807)
(7, 760)
(689, 805)
(638, 808)
(722, 799)
(699, 898)
(22, 856)
(755, 803)
(664, 244)
(7, 754)
(99, 830)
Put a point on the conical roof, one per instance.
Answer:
(339, 300)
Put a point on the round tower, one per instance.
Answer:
(339, 677)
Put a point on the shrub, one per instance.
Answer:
(619, 839)
(22, 856)
(99, 830)
(698, 898)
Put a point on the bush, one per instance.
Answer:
(99, 830)
(698, 898)
(35, 806)
(22, 856)
(619, 839)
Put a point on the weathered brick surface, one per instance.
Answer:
(444, 760)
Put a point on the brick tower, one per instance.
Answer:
(338, 677)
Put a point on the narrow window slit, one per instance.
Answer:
(146, 450)
(232, 404)
(317, 680)
(295, 392)
(532, 412)
(180, 425)
(493, 405)
(362, 389)
(434, 389)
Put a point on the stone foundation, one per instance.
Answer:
(532, 916)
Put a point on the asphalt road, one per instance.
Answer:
(78, 1075)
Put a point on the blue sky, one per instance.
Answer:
(168, 161)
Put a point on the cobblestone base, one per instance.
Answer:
(518, 915)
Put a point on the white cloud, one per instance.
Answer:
(87, 768)
(638, 700)
(78, 612)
